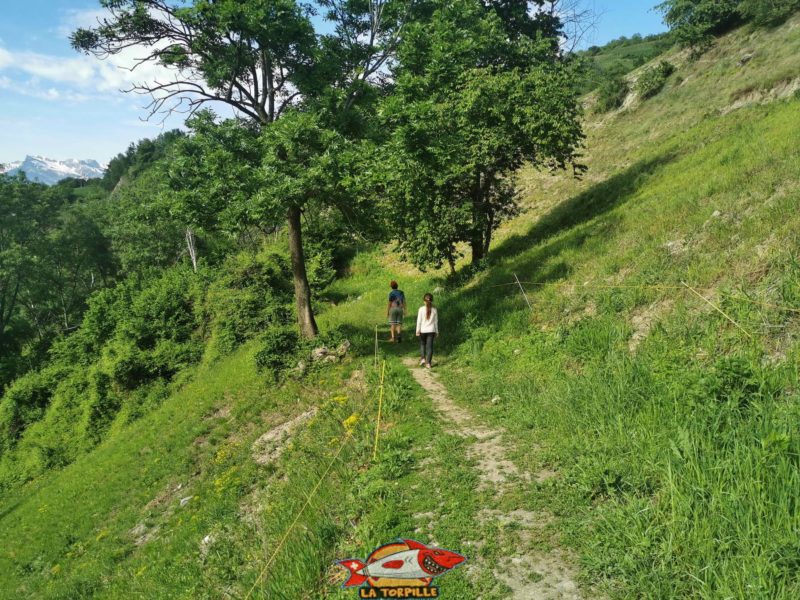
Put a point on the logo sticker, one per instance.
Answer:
(402, 569)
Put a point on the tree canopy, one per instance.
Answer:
(471, 105)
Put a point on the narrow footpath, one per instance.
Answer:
(531, 575)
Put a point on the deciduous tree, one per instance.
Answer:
(480, 90)
(260, 58)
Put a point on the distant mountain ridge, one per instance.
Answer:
(50, 171)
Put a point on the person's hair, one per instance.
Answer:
(393, 285)
(428, 296)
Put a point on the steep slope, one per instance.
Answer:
(671, 419)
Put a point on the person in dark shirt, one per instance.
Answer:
(395, 312)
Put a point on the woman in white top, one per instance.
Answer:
(427, 330)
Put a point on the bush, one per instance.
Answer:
(158, 335)
(252, 294)
(696, 22)
(279, 348)
(612, 93)
(25, 402)
(100, 406)
(320, 269)
(769, 13)
(652, 80)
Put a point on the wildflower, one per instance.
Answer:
(350, 422)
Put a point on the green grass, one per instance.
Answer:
(678, 461)
(621, 58)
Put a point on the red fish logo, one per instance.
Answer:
(400, 567)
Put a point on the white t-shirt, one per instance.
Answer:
(425, 325)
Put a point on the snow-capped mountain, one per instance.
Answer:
(49, 171)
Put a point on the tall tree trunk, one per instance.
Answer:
(451, 260)
(477, 246)
(487, 236)
(302, 291)
(191, 247)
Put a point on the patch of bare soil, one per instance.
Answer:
(357, 381)
(529, 574)
(644, 319)
(269, 446)
(783, 89)
(160, 508)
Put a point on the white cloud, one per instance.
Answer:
(5, 58)
(74, 18)
(33, 89)
(79, 77)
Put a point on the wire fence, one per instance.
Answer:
(346, 439)
(696, 291)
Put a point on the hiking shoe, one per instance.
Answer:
(421, 362)
(427, 366)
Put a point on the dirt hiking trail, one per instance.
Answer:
(531, 575)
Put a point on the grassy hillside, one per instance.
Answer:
(673, 432)
(622, 56)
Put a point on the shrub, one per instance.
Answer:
(612, 93)
(100, 406)
(696, 22)
(652, 80)
(97, 327)
(279, 347)
(25, 402)
(769, 13)
(320, 268)
(252, 294)
(158, 335)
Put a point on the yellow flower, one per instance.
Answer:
(350, 422)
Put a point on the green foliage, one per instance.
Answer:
(612, 93)
(653, 79)
(250, 295)
(24, 402)
(300, 160)
(768, 12)
(459, 131)
(618, 58)
(53, 255)
(157, 335)
(215, 177)
(145, 229)
(138, 158)
(696, 22)
(132, 335)
(278, 350)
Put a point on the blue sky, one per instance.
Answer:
(60, 104)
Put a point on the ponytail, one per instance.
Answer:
(428, 308)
